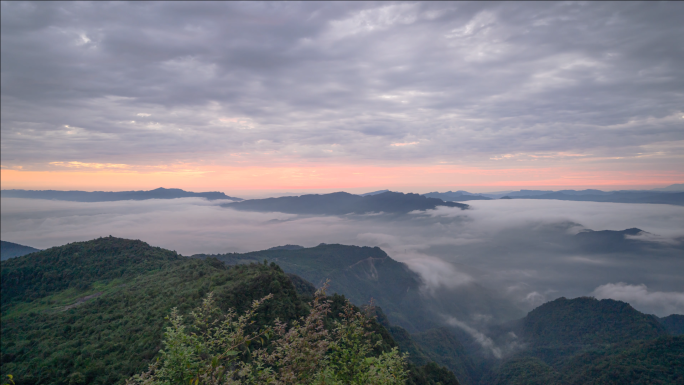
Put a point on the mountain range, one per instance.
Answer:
(109, 196)
(672, 198)
(377, 201)
(457, 196)
(11, 250)
(97, 308)
(341, 203)
(95, 311)
(673, 194)
(359, 273)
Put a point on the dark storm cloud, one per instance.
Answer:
(153, 83)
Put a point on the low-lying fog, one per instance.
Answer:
(522, 250)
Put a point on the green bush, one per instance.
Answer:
(219, 348)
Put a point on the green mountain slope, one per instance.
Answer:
(79, 265)
(359, 273)
(93, 312)
(562, 328)
(639, 362)
(441, 346)
(587, 341)
(588, 321)
(523, 371)
(112, 329)
(674, 324)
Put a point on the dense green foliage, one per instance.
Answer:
(523, 371)
(640, 362)
(110, 337)
(430, 374)
(218, 348)
(441, 346)
(408, 345)
(93, 313)
(587, 341)
(588, 321)
(78, 265)
(360, 273)
(674, 324)
(104, 320)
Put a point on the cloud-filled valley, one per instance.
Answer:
(516, 254)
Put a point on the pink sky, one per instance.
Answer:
(326, 178)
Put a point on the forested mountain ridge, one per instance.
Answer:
(109, 196)
(94, 312)
(78, 265)
(674, 324)
(635, 362)
(341, 203)
(585, 340)
(360, 273)
(587, 321)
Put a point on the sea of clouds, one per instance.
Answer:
(521, 252)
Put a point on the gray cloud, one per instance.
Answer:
(148, 83)
(492, 262)
(639, 295)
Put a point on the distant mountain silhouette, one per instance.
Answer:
(11, 250)
(674, 324)
(340, 203)
(108, 196)
(287, 247)
(679, 187)
(536, 193)
(609, 241)
(659, 197)
(374, 193)
(457, 196)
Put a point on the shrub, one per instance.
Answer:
(228, 348)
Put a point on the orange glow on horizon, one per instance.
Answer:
(336, 178)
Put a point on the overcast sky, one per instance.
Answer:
(227, 95)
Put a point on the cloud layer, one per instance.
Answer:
(498, 257)
(642, 298)
(182, 85)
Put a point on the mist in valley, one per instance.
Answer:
(490, 263)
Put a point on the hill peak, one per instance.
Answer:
(588, 321)
(341, 203)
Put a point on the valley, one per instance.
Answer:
(97, 308)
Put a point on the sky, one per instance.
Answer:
(356, 96)
(522, 251)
